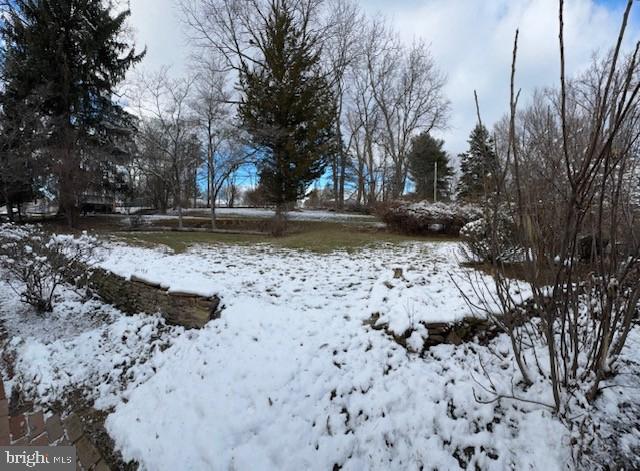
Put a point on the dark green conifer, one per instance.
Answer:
(479, 166)
(61, 62)
(287, 106)
(425, 152)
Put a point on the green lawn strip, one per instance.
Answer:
(315, 237)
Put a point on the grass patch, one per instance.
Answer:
(315, 236)
(519, 271)
(357, 217)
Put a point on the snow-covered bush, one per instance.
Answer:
(35, 263)
(485, 242)
(423, 217)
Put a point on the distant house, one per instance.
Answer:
(95, 203)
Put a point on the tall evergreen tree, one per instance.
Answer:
(286, 107)
(425, 153)
(62, 60)
(478, 166)
(17, 176)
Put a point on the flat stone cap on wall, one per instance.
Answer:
(137, 295)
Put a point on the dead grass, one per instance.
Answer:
(321, 237)
(316, 236)
(518, 271)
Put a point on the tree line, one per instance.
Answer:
(296, 89)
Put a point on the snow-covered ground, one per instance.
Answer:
(297, 215)
(351, 284)
(289, 377)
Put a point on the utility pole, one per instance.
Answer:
(435, 183)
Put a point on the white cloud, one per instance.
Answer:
(471, 41)
(157, 25)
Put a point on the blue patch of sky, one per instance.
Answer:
(620, 5)
(247, 176)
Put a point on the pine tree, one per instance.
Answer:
(17, 176)
(287, 107)
(425, 153)
(62, 60)
(479, 165)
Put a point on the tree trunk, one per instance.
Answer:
(164, 204)
(397, 185)
(179, 207)
(195, 191)
(213, 216)
(342, 166)
(208, 184)
(361, 183)
(343, 172)
(67, 202)
(73, 216)
(212, 184)
(371, 198)
(69, 179)
(279, 224)
(335, 180)
(232, 198)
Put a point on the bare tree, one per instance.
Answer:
(233, 28)
(342, 49)
(408, 90)
(168, 128)
(402, 84)
(155, 177)
(567, 166)
(363, 126)
(212, 112)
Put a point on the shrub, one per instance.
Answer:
(255, 197)
(35, 263)
(478, 240)
(424, 217)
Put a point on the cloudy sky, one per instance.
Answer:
(471, 41)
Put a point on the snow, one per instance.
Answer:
(323, 391)
(355, 284)
(296, 215)
(290, 377)
(425, 210)
(81, 344)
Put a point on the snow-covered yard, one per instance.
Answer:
(263, 213)
(298, 215)
(290, 377)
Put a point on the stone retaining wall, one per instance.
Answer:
(136, 295)
(465, 330)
